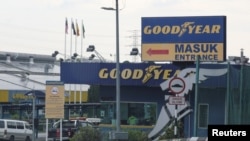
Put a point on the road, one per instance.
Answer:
(41, 137)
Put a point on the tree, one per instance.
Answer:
(94, 94)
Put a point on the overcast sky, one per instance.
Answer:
(38, 26)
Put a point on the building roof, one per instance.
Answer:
(23, 71)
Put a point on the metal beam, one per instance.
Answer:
(28, 72)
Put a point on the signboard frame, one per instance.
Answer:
(183, 38)
(54, 100)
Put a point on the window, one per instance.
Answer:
(11, 124)
(20, 125)
(144, 112)
(1, 124)
(27, 125)
(203, 115)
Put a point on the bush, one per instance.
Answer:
(136, 135)
(169, 134)
(87, 134)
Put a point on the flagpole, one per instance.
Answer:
(71, 32)
(76, 37)
(82, 41)
(72, 24)
(65, 42)
(81, 61)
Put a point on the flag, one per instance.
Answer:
(66, 26)
(77, 30)
(73, 28)
(83, 31)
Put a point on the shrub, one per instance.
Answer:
(169, 134)
(136, 135)
(87, 134)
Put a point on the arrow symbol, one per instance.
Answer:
(157, 51)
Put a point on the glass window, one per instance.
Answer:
(1, 124)
(136, 113)
(20, 125)
(27, 125)
(83, 124)
(11, 124)
(203, 115)
(67, 124)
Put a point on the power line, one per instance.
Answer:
(15, 84)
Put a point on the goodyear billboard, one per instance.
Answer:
(131, 74)
(183, 38)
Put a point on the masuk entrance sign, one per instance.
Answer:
(183, 38)
(176, 100)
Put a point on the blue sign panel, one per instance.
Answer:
(183, 38)
(132, 74)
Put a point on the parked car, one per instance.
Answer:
(69, 128)
(95, 121)
(15, 130)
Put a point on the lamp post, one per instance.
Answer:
(118, 116)
(33, 117)
(117, 66)
(118, 134)
(32, 93)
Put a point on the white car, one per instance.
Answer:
(15, 130)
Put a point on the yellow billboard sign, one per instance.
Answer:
(54, 99)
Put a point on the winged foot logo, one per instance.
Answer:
(180, 84)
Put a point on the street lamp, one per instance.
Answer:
(70, 58)
(118, 134)
(91, 48)
(32, 93)
(134, 51)
(92, 56)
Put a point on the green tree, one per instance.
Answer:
(94, 94)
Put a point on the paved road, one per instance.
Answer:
(41, 137)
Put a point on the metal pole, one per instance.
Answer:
(117, 71)
(241, 85)
(33, 118)
(227, 95)
(176, 123)
(47, 128)
(61, 133)
(196, 96)
(65, 39)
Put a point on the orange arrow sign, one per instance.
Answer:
(157, 51)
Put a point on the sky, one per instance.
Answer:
(38, 26)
